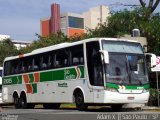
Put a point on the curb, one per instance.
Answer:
(150, 108)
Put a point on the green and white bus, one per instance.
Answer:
(96, 71)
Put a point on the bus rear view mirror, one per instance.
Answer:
(105, 55)
(151, 59)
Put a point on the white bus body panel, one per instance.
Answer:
(5, 96)
(48, 92)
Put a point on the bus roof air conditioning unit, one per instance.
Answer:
(135, 33)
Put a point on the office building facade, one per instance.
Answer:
(72, 24)
(96, 15)
(51, 24)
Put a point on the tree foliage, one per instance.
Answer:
(123, 22)
(7, 49)
(52, 39)
(44, 41)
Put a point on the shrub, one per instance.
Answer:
(153, 98)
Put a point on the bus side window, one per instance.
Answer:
(7, 68)
(77, 55)
(24, 65)
(49, 61)
(13, 67)
(62, 58)
(30, 64)
(36, 62)
(75, 61)
(45, 61)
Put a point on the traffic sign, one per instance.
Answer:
(157, 67)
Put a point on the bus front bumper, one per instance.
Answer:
(116, 97)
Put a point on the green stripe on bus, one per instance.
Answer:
(31, 78)
(82, 71)
(61, 74)
(34, 86)
(19, 79)
(127, 87)
(111, 85)
(12, 80)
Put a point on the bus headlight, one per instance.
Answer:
(145, 90)
(111, 90)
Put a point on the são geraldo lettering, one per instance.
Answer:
(67, 75)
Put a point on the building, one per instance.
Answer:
(20, 44)
(17, 43)
(51, 24)
(55, 18)
(3, 37)
(45, 26)
(96, 15)
(72, 24)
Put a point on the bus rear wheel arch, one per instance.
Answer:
(79, 99)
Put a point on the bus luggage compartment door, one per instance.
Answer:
(5, 94)
(98, 94)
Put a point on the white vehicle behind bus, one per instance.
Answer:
(1, 69)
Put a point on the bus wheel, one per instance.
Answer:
(79, 101)
(51, 105)
(16, 102)
(23, 101)
(116, 107)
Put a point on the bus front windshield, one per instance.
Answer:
(127, 66)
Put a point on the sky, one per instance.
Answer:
(21, 18)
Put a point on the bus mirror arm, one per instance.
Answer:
(105, 55)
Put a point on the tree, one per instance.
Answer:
(44, 41)
(151, 5)
(7, 49)
(123, 22)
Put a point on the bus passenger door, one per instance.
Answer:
(98, 86)
(95, 70)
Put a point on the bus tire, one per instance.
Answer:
(23, 101)
(51, 105)
(79, 101)
(16, 101)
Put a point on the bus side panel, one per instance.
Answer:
(60, 92)
(44, 93)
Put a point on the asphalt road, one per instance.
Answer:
(73, 114)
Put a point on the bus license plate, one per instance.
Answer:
(130, 98)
